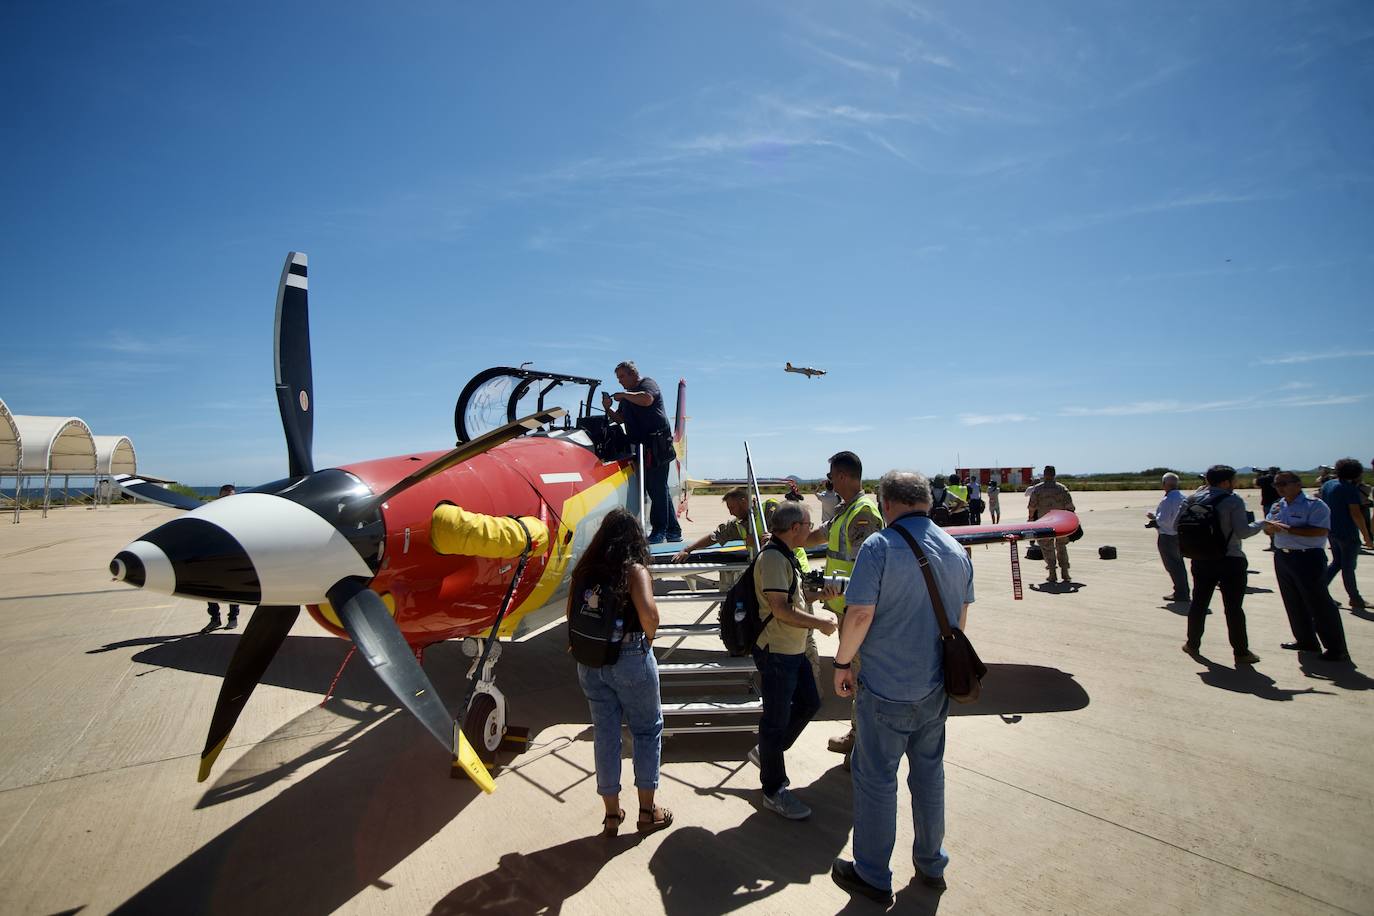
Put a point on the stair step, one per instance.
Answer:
(674, 630)
(722, 665)
(713, 706)
(677, 570)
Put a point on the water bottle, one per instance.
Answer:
(739, 611)
(618, 632)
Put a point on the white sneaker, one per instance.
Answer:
(788, 805)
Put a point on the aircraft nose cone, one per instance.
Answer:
(144, 565)
(127, 567)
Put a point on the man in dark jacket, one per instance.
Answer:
(1228, 571)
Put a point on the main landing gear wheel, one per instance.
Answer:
(483, 725)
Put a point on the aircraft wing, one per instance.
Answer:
(1056, 523)
(149, 492)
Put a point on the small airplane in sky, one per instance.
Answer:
(804, 370)
(476, 543)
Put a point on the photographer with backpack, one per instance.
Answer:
(790, 694)
(612, 618)
(1210, 527)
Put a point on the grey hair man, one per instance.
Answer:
(901, 703)
(1165, 518)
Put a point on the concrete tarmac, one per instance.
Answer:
(1103, 770)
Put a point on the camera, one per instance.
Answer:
(819, 580)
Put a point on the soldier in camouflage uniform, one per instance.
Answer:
(1046, 495)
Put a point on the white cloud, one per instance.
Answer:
(983, 419)
(1294, 358)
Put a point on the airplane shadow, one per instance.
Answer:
(1246, 679)
(698, 871)
(383, 792)
(142, 641)
(540, 882)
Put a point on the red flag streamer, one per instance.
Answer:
(1015, 570)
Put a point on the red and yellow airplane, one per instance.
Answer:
(400, 553)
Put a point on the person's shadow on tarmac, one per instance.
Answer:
(539, 882)
(1246, 679)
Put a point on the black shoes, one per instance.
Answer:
(1330, 655)
(934, 882)
(1300, 647)
(1246, 658)
(842, 873)
(233, 622)
(214, 624)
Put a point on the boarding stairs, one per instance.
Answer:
(703, 688)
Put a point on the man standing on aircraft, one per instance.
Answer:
(859, 517)
(646, 422)
(213, 608)
(734, 528)
(1050, 494)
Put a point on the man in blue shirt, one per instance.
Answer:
(1165, 517)
(1299, 526)
(1348, 527)
(901, 705)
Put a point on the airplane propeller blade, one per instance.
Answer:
(379, 640)
(464, 452)
(261, 639)
(150, 492)
(295, 387)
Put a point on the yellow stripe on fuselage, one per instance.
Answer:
(574, 511)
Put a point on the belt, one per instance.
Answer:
(1300, 549)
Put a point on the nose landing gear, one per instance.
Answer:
(485, 721)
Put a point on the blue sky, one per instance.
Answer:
(1108, 236)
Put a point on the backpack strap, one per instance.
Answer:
(791, 589)
(936, 603)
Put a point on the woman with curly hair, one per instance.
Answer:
(614, 567)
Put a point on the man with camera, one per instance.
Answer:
(646, 423)
(791, 696)
(1165, 517)
(901, 702)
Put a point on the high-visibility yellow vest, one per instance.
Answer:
(769, 505)
(959, 490)
(839, 553)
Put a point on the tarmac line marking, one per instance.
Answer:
(6, 556)
(1150, 836)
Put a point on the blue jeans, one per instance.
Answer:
(629, 687)
(790, 700)
(1173, 564)
(1344, 553)
(885, 730)
(662, 513)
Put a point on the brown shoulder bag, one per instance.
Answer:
(964, 671)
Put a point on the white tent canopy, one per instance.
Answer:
(9, 442)
(55, 445)
(115, 455)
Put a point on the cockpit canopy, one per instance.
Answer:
(496, 396)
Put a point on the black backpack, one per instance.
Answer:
(939, 513)
(740, 624)
(596, 626)
(1199, 528)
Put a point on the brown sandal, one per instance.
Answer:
(611, 829)
(652, 819)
